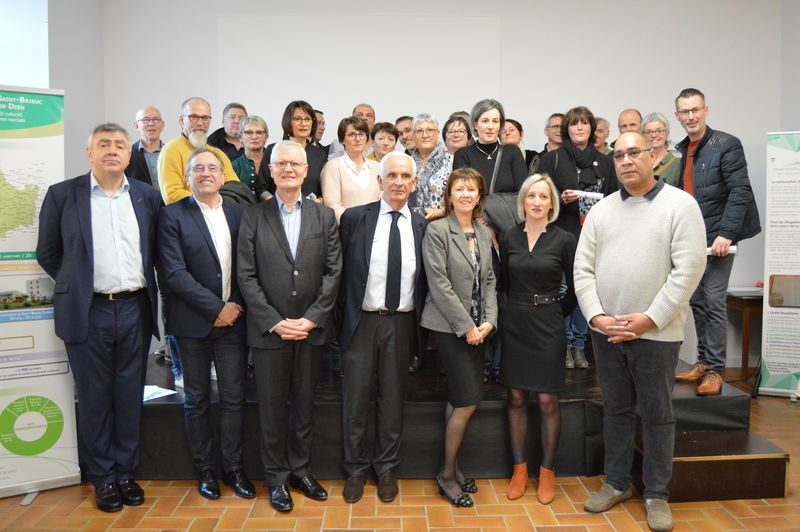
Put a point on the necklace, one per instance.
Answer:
(488, 155)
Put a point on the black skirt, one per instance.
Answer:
(463, 366)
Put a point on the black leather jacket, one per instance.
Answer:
(722, 187)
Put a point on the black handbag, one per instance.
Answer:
(500, 208)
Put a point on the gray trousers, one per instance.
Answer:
(637, 377)
(711, 313)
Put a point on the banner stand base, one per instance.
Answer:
(40, 485)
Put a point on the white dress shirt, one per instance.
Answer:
(116, 244)
(221, 236)
(375, 294)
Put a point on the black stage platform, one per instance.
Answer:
(164, 453)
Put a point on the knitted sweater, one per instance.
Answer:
(172, 166)
(642, 254)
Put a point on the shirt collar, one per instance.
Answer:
(348, 162)
(208, 208)
(648, 196)
(160, 145)
(94, 184)
(385, 209)
(282, 204)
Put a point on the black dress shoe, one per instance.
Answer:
(414, 365)
(241, 485)
(280, 498)
(310, 487)
(130, 492)
(107, 498)
(208, 486)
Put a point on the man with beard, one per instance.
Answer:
(194, 121)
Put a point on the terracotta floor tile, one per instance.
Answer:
(364, 508)
(130, 517)
(164, 507)
(203, 524)
(336, 518)
(273, 523)
(375, 522)
(415, 524)
(411, 487)
(440, 516)
(198, 512)
(165, 522)
(309, 523)
(518, 522)
(581, 519)
(500, 509)
(30, 517)
(541, 515)
(99, 524)
(723, 519)
(394, 510)
(738, 509)
(622, 521)
(704, 525)
(477, 521)
(764, 523)
(233, 518)
(775, 510)
(679, 514)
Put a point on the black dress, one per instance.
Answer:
(511, 174)
(533, 336)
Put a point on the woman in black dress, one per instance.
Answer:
(488, 119)
(535, 255)
(461, 312)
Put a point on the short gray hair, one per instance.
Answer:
(200, 151)
(423, 117)
(189, 100)
(656, 117)
(287, 144)
(395, 155)
(108, 127)
(604, 121)
(253, 119)
(552, 216)
(483, 106)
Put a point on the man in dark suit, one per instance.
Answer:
(97, 241)
(289, 267)
(197, 247)
(144, 154)
(382, 294)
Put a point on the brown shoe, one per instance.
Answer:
(353, 489)
(387, 485)
(519, 479)
(693, 374)
(546, 491)
(711, 384)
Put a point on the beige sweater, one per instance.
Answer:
(642, 255)
(341, 189)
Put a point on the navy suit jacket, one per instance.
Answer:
(357, 231)
(65, 250)
(191, 268)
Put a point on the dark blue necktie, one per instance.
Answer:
(394, 267)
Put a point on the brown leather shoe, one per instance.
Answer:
(693, 374)
(353, 489)
(387, 485)
(711, 384)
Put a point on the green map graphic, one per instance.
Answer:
(17, 207)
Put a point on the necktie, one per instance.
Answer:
(394, 267)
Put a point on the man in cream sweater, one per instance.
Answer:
(640, 257)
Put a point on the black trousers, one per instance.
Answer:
(285, 382)
(109, 371)
(375, 362)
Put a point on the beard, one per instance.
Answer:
(198, 138)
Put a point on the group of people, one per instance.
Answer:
(277, 249)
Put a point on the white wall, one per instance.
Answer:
(420, 56)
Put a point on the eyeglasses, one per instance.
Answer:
(658, 132)
(294, 165)
(198, 118)
(353, 135)
(684, 113)
(302, 120)
(632, 154)
(148, 120)
(201, 168)
(249, 133)
(554, 126)
(457, 132)
(426, 132)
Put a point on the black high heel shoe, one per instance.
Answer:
(469, 486)
(462, 500)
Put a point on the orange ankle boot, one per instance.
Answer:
(516, 488)
(546, 490)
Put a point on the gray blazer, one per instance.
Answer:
(276, 286)
(448, 266)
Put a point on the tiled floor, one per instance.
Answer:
(177, 506)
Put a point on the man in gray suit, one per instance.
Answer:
(289, 267)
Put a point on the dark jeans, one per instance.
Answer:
(711, 312)
(576, 328)
(637, 376)
(227, 349)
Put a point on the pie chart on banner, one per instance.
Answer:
(30, 425)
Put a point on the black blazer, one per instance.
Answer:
(276, 286)
(137, 167)
(191, 268)
(65, 250)
(357, 231)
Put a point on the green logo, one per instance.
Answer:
(30, 425)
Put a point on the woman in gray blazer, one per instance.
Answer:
(461, 312)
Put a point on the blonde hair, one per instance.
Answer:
(552, 216)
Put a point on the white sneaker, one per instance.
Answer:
(213, 372)
(179, 382)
